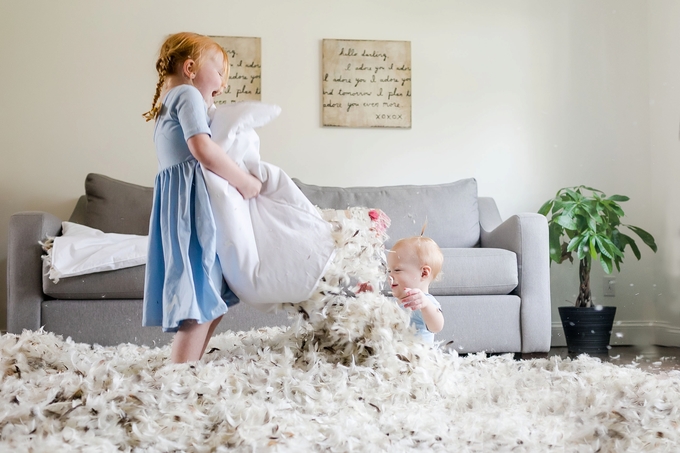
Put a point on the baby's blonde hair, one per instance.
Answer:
(427, 251)
(174, 52)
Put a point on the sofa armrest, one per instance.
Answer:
(527, 235)
(24, 268)
(489, 217)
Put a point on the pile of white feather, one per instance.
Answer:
(348, 376)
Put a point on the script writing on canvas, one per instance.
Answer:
(245, 74)
(366, 83)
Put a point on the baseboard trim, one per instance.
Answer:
(667, 334)
(626, 333)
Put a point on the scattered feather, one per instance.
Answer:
(348, 375)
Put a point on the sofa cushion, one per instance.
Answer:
(450, 210)
(125, 283)
(115, 206)
(476, 271)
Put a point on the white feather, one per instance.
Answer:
(352, 377)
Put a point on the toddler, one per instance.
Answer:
(412, 264)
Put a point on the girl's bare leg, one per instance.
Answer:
(189, 341)
(213, 326)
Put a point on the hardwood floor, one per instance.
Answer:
(649, 357)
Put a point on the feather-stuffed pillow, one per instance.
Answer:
(83, 250)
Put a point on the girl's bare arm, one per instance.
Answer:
(213, 158)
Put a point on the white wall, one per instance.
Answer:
(664, 100)
(527, 96)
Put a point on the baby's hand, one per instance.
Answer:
(250, 187)
(414, 299)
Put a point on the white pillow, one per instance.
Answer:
(83, 250)
(239, 115)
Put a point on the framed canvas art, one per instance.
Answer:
(245, 74)
(366, 83)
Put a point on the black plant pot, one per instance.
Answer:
(587, 329)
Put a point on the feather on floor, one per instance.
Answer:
(349, 375)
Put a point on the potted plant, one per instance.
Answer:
(583, 221)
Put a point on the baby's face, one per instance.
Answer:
(405, 271)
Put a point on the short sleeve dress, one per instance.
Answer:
(183, 274)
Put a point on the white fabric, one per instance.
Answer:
(83, 250)
(275, 247)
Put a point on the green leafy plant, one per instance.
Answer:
(585, 222)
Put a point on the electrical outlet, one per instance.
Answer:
(609, 286)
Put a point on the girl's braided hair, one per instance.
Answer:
(174, 52)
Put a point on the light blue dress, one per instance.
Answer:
(419, 323)
(183, 274)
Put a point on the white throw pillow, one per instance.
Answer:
(83, 250)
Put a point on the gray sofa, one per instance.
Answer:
(494, 290)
